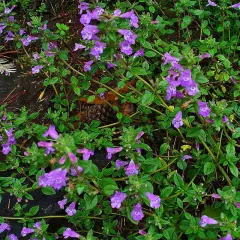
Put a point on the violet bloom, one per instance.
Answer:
(56, 179)
(70, 210)
(97, 12)
(37, 225)
(75, 172)
(9, 10)
(111, 151)
(169, 59)
(51, 132)
(205, 220)
(128, 35)
(12, 237)
(139, 136)
(233, 80)
(62, 160)
(205, 55)
(4, 226)
(203, 109)
(117, 198)
(70, 233)
(6, 149)
(131, 169)
(185, 157)
(36, 56)
(9, 36)
(137, 213)
(237, 204)
(72, 157)
(133, 18)
(142, 232)
(210, 3)
(139, 53)
(26, 41)
(225, 120)
(97, 50)
(237, 5)
(11, 18)
(110, 65)
(185, 78)
(120, 163)
(78, 46)
(171, 92)
(83, 6)
(36, 69)
(87, 153)
(25, 231)
(86, 18)
(89, 31)
(117, 12)
(62, 203)
(177, 121)
(87, 66)
(126, 48)
(2, 26)
(155, 200)
(48, 147)
(216, 196)
(192, 90)
(227, 237)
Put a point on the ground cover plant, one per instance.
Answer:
(141, 136)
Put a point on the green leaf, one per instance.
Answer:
(166, 192)
(180, 203)
(33, 211)
(197, 132)
(233, 169)
(209, 167)
(200, 78)
(236, 133)
(90, 201)
(147, 98)
(150, 54)
(178, 181)
(48, 191)
(63, 55)
(110, 189)
(138, 71)
(91, 98)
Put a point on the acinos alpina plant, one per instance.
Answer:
(167, 167)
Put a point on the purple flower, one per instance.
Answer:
(4, 226)
(177, 121)
(11, 18)
(9, 36)
(126, 48)
(205, 55)
(110, 65)
(139, 136)
(62, 203)
(237, 204)
(111, 151)
(25, 231)
(78, 46)
(70, 233)
(86, 18)
(225, 120)
(44, 27)
(203, 109)
(233, 80)
(185, 78)
(97, 12)
(87, 66)
(171, 92)
(87, 153)
(142, 232)
(36, 69)
(83, 6)
(12, 237)
(185, 157)
(131, 169)
(72, 157)
(139, 53)
(56, 179)
(2, 26)
(120, 163)
(128, 35)
(26, 41)
(169, 59)
(205, 220)
(192, 90)
(133, 18)
(117, 198)
(89, 32)
(62, 160)
(210, 3)
(37, 225)
(51, 132)
(70, 210)
(137, 213)
(155, 200)
(117, 12)
(216, 196)
(9, 10)
(73, 171)
(227, 237)
(6, 148)
(97, 50)
(237, 5)
(48, 145)
(52, 45)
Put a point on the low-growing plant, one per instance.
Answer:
(167, 168)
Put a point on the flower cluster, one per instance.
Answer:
(6, 147)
